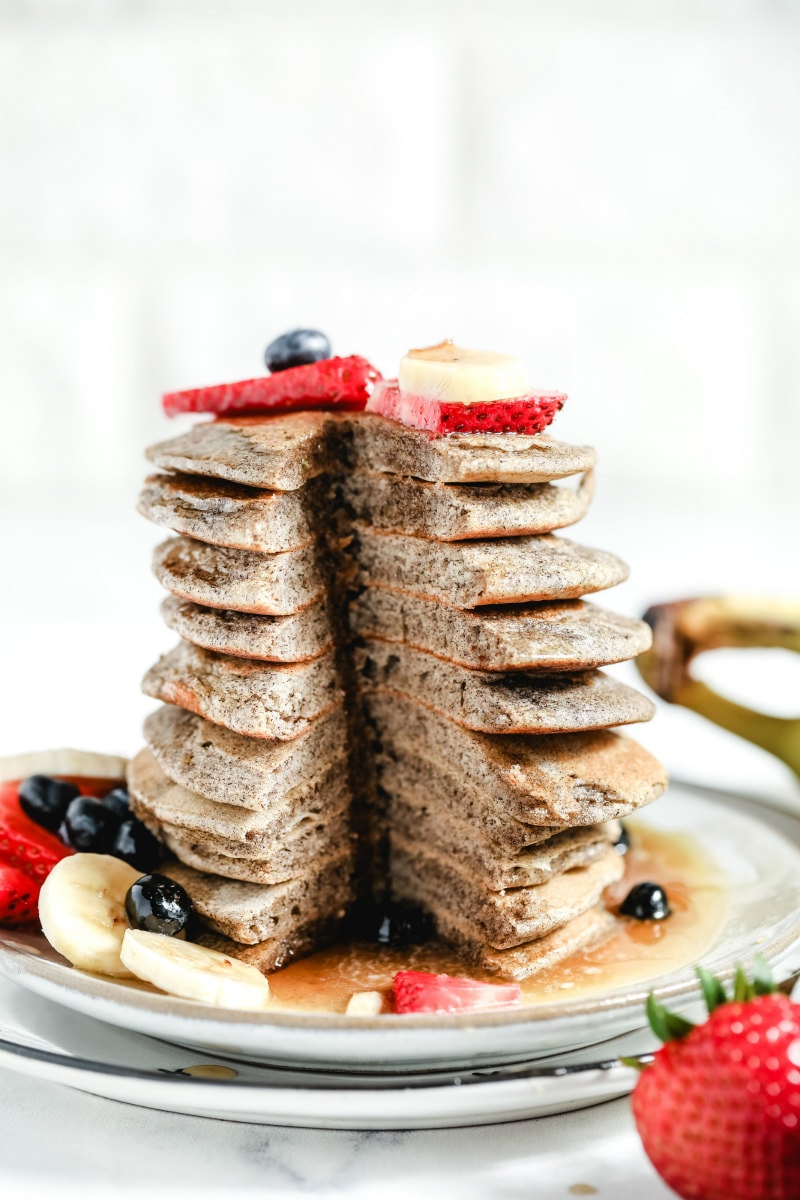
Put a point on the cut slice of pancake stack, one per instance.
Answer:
(388, 683)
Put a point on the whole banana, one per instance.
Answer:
(685, 628)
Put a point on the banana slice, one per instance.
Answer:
(364, 1004)
(194, 972)
(82, 910)
(63, 762)
(449, 372)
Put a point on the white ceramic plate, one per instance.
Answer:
(764, 914)
(40, 1039)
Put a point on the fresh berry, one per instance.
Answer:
(119, 801)
(19, 897)
(526, 414)
(45, 800)
(135, 844)
(23, 843)
(296, 349)
(333, 383)
(89, 826)
(422, 992)
(646, 902)
(158, 904)
(718, 1109)
(623, 843)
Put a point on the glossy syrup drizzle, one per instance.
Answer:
(634, 952)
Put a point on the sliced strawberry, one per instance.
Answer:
(23, 843)
(422, 992)
(526, 414)
(331, 383)
(19, 897)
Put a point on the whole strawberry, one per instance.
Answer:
(718, 1109)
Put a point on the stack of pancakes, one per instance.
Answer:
(387, 683)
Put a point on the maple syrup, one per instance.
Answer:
(632, 953)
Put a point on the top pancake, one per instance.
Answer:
(283, 452)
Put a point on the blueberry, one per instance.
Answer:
(119, 802)
(45, 800)
(158, 904)
(296, 349)
(89, 826)
(646, 902)
(623, 843)
(136, 845)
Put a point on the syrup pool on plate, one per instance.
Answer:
(634, 952)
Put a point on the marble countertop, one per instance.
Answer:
(56, 1142)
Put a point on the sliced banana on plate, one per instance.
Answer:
(82, 911)
(194, 972)
(80, 763)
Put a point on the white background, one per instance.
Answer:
(610, 189)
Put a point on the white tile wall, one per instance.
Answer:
(610, 188)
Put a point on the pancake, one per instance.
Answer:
(310, 841)
(565, 779)
(495, 571)
(521, 962)
(517, 702)
(262, 700)
(283, 451)
(230, 514)
(294, 638)
(276, 584)
(420, 820)
(232, 769)
(252, 913)
(453, 512)
(157, 801)
(566, 635)
(501, 919)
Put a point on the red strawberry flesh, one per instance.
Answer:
(718, 1111)
(24, 844)
(423, 992)
(528, 414)
(344, 383)
(19, 897)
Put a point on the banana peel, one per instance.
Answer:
(683, 629)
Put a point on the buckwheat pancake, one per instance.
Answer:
(310, 841)
(565, 635)
(263, 700)
(420, 820)
(233, 769)
(494, 702)
(445, 793)
(502, 919)
(494, 571)
(230, 514)
(283, 451)
(383, 445)
(158, 801)
(559, 780)
(276, 584)
(251, 913)
(295, 638)
(520, 962)
(454, 512)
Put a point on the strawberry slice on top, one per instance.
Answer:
(447, 389)
(336, 383)
(424, 992)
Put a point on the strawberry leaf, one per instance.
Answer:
(763, 983)
(743, 989)
(667, 1026)
(713, 991)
